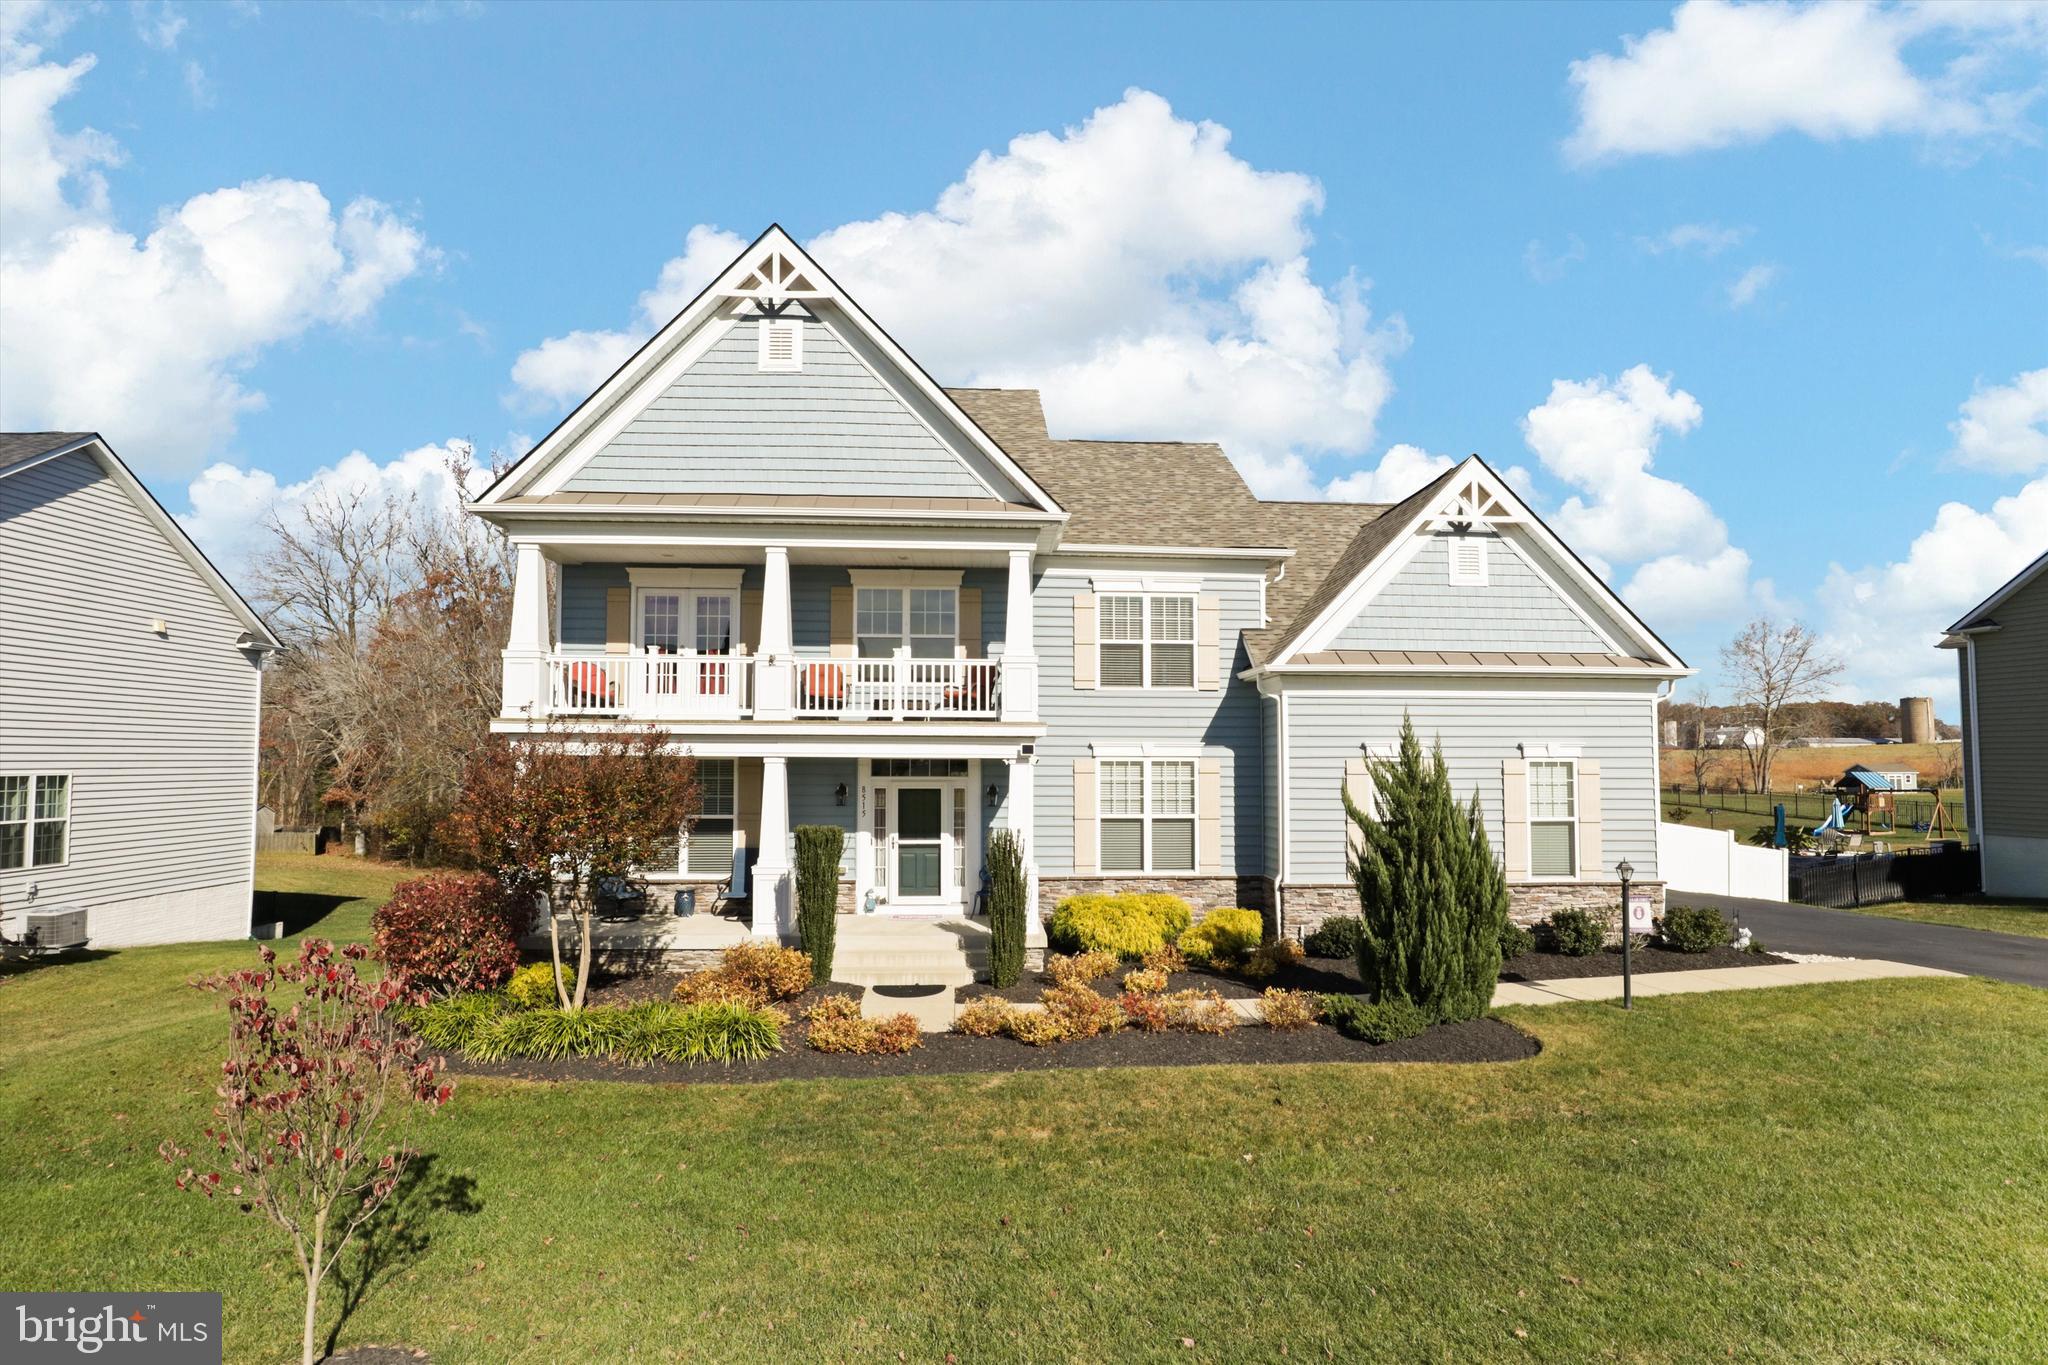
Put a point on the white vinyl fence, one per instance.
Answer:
(1711, 862)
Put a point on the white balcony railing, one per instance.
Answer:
(901, 688)
(688, 686)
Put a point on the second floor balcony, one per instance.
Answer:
(687, 685)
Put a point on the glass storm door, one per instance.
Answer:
(920, 842)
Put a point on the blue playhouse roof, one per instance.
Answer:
(1877, 782)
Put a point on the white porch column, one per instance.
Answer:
(526, 651)
(774, 670)
(1020, 656)
(773, 892)
(1023, 806)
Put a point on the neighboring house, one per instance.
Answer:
(2002, 662)
(130, 677)
(1881, 779)
(865, 600)
(1732, 737)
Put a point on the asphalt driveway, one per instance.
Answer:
(1809, 929)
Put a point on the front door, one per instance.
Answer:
(920, 842)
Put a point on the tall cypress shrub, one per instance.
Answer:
(1431, 896)
(817, 893)
(1008, 891)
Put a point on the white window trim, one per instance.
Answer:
(738, 836)
(1458, 577)
(902, 588)
(1571, 762)
(793, 328)
(686, 612)
(1145, 642)
(1552, 750)
(1193, 816)
(29, 823)
(645, 577)
(906, 578)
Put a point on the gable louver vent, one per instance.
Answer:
(1468, 561)
(782, 345)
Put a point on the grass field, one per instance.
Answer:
(1809, 768)
(2003, 917)
(1847, 1173)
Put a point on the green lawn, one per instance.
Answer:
(1852, 1173)
(2004, 917)
(1747, 813)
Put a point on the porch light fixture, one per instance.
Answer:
(991, 796)
(839, 794)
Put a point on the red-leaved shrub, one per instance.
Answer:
(449, 932)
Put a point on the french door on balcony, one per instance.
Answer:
(671, 621)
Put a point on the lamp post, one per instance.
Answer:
(1627, 977)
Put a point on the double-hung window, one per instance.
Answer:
(35, 820)
(925, 619)
(1553, 817)
(711, 837)
(1147, 640)
(1147, 815)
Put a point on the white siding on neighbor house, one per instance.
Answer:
(1480, 723)
(727, 426)
(1224, 722)
(1515, 609)
(157, 733)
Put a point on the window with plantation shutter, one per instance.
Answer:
(1120, 626)
(1173, 642)
(1122, 804)
(711, 837)
(1146, 640)
(1147, 811)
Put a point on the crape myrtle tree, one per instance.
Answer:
(555, 815)
(316, 1099)
(1431, 894)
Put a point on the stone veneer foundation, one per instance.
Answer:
(1202, 894)
(1304, 908)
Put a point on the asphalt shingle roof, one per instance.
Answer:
(19, 447)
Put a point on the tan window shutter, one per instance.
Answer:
(1084, 641)
(842, 623)
(750, 620)
(1084, 815)
(746, 800)
(970, 623)
(1209, 816)
(1208, 625)
(1514, 814)
(618, 620)
(1357, 786)
(1592, 864)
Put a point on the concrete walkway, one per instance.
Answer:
(1710, 979)
(1809, 929)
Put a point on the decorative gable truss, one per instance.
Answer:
(788, 304)
(1476, 582)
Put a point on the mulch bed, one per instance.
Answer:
(1478, 1040)
(631, 988)
(1607, 962)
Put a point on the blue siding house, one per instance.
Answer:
(864, 599)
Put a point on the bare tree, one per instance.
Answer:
(1770, 667)
(1705, 764)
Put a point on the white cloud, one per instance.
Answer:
(1147, 280)
(1884, 620)
(149, 340)
(1402, 470)
(1546, 266)
(1726, 74)
(229, 507)
(2005, 428)
(1707, 239)
(198, 86)
(1750, 285)
(1600, 437)
(159, 26)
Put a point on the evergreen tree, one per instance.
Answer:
(1431, 895)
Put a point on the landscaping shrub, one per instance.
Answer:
(1432, 897)
(1336, 936)
(1515, 940)
(449, 1024)
(1037, 1028)
(449, 932)
(1145, 1010)
(777, 972)
(1268, 958)
(714, 987)
(1693, 929)
(1575, 933)
(1224, 938)
(1008, 891)
(817, 894)
(837, 1026)
(1145, 981)
(1130, 925)
(647, 1032)
(1078, 969)
(1377, 1022)
(985, 1017)
(1082, 1011)
(1167, 957)
(1289, 1010)
(1198, 1011)
(534, 986)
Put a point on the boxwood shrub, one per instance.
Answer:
(1224, 938)
(1336, 936)
(1515, 940)
(1575, 933)
(1693, 929)
(1375, 1021)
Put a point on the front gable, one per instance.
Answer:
(1432, 604)
(771, 382)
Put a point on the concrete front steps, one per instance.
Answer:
(891, 950)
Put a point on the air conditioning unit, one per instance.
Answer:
(55, 929)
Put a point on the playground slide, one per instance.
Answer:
(1837, 820)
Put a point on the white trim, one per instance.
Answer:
(2011, 586)
(1302, 670)
(1147, 587)
(1285, 870)
(1161, 748)
(1342, 609)
(1145, 642)
(766, 331)
(1147, 816)
(650, 577)
(1529, 805)
(906, 578)
(1572, 751)
(29, 865)
(1976, 811)
(1174, 551)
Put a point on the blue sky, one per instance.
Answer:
(1719, 282)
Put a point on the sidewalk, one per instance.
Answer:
(1712, 979)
